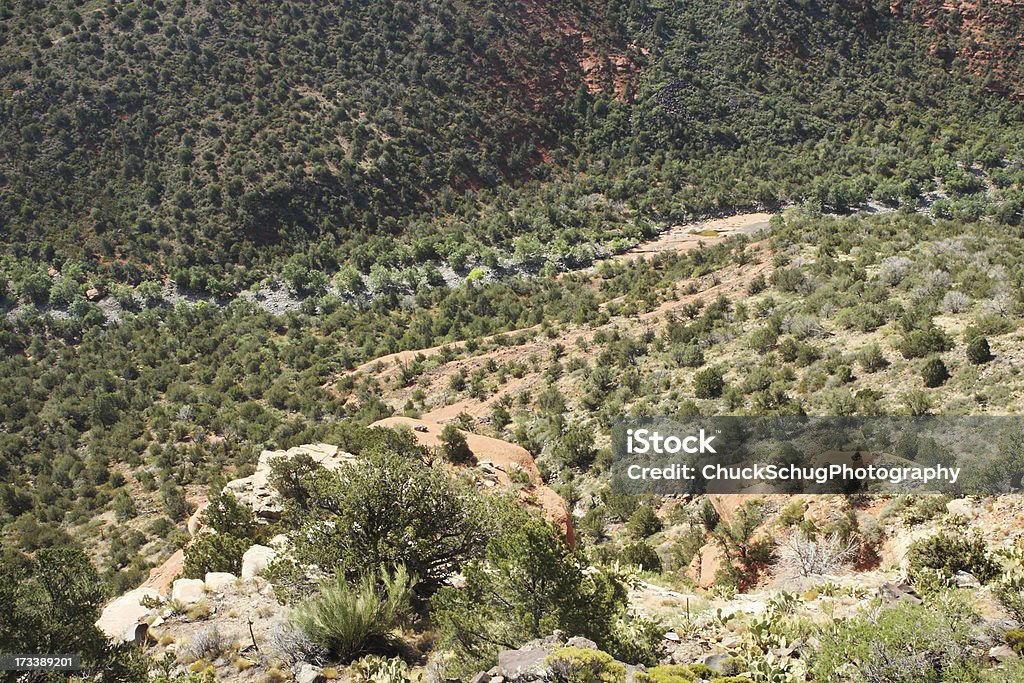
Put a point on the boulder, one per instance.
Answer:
(966, 580)
(255, 560)
(218, 581)
(482, 677)
(961, 506)
(188, 591)
(122, 616)
(581, 642)
(1002, 653)
(902, 592)
(524, 665)
(717, 662)
(310, 674)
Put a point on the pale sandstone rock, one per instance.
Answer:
(188, 591)
(122, 615)
(216, 581)
(256, 491)
(256, 560)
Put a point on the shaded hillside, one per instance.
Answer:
(201, 132)
(210, 142)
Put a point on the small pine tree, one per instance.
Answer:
(708, 383)
(644, 522)
(641, 554)
(453, 445)
(934, 372)
(978, 351)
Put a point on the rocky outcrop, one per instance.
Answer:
(218, 581)
(256, 491)
(122, 616)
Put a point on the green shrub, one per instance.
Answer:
(226, 515)
(575, 448)
(353, 619)
(214, 553)
(943, 555)
(690, 356)
(900, 644)
(51, 602)
(924, 509)
(641, 554)
(934, 372)
(709, 516)
(1014, 637)
(580, 665)
(922, 342)
(531, 583)
(675, 673)
(763, 340)
(978, 351)
(871, 358)
(708, 383)
(644, 522)
(388, 509)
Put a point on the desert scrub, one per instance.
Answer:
(943, 555)
(900, 644)
(214, 553)
(579, 665)
(978, 351)
(643, 522)
(641, 554)
(934, 373)
(351, 619)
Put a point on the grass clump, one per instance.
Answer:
(352, 619)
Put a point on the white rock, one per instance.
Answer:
(961, 506)
(217, 581)
(256, 560)
(123, 614)
(310, 674)
(188, 591)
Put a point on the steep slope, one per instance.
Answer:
(212, 142)
(195, 132)
(986, 35)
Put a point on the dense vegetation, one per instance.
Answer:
(225, 144)
(441, 174)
